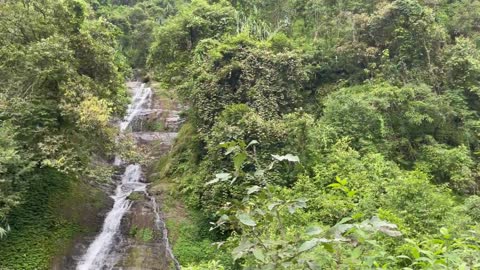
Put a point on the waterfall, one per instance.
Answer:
(101, 252)
(161, 226)
(97, 254)
(141, 101)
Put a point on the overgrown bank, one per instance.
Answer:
(320, 134)
(62, 83)
(326, 134)
(44, 228)
(189, 231)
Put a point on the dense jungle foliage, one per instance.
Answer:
(320, 134)
(61, 82)
(328, 134)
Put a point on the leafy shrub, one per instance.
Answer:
(472, 207)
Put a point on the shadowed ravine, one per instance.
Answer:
(133, 235)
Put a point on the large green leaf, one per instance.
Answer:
(307, 245)
(287, 157)
(253, 189)
(238, 160)
(258, 253)
(246, 219)
(219, 177)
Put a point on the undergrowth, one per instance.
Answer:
(47, 222)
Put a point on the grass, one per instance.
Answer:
(135, 196)
(188, 229)
(142, 234)
(192, 241)
(162, 92)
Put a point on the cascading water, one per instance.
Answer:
(160, 224)
(141, 101)
(101, 253)
(97, 254)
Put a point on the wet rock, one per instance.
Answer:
(143, 247)
(166, 138)
(90, 214)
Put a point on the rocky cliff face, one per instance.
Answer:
(87, 207)
(142, 243)
(145, 244)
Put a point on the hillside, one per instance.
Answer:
(312, 134)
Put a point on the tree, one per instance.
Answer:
(174, 42)
(12, 166)
(242, 71)
(62, 81)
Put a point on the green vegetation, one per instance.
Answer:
(327, 134)
(320, 134)
(62, 82)
(135, 196)
(142, 234)
(57, 210)
(193, 244)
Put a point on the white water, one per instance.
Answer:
(141, 102)
(97, 255)
(161, 226)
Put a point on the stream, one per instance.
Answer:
(104, 252)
